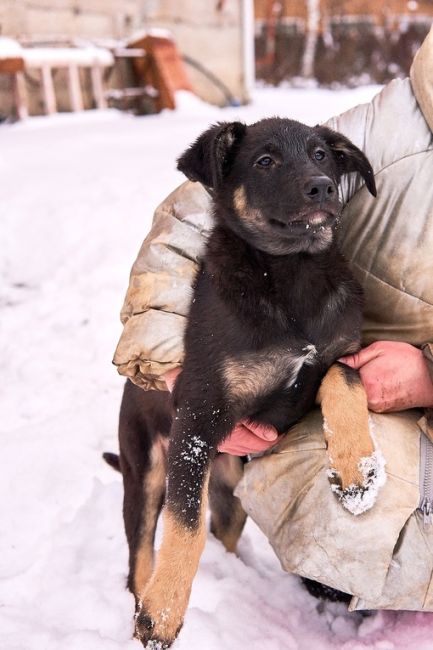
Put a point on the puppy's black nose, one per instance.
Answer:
(319, 188)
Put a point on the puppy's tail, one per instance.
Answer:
(112, 460)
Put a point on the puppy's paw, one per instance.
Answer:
(152, 630)
(360, 496)
(143, 625)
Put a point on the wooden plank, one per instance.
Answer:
(48, 90)
(20, 95)
(98, 86)
(129, 53)
(75, 94)
(163, 68)
(11, 65)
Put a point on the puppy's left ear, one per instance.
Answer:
(348, 157)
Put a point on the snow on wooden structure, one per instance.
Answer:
(153, 56)
(15, 60)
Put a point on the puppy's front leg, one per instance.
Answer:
(163, 603)
(356, 467)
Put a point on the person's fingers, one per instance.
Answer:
(352, 360)
(242, 441)
(170, 377)
(263, 431)
(226, 448)
(241, 450)
(362, 357)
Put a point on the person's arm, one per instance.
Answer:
(159, 293)
(396, 376)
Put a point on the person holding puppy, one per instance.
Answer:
(388, 242)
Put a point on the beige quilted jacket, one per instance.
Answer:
(388, 240)
(384, 557)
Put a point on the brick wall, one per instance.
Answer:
(37, 19)
(209, 35)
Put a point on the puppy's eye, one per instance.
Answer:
(265, 161)
(319, 154)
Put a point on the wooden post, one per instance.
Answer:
(48, 89)
(75, 94)
(98, 86)
(20, 95)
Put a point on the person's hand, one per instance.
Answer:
(246, 438)
(394, 375)
(170, 378)
(249, 438)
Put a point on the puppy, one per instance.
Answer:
(274, 307)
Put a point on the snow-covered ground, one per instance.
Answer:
(77, 194)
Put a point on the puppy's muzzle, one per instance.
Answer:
(319, 189)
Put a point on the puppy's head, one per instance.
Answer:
(275, 183)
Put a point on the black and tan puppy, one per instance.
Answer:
(274, 307)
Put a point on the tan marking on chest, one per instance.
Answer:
(252, 374)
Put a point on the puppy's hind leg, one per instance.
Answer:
(144, 493)
(357, 469)
(228, 517)
(144, 425)
(164, 601)
(153, 499)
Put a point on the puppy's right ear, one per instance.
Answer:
(209, 158)
(348, 157)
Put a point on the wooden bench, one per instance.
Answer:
(72, 59)
(44, 60)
